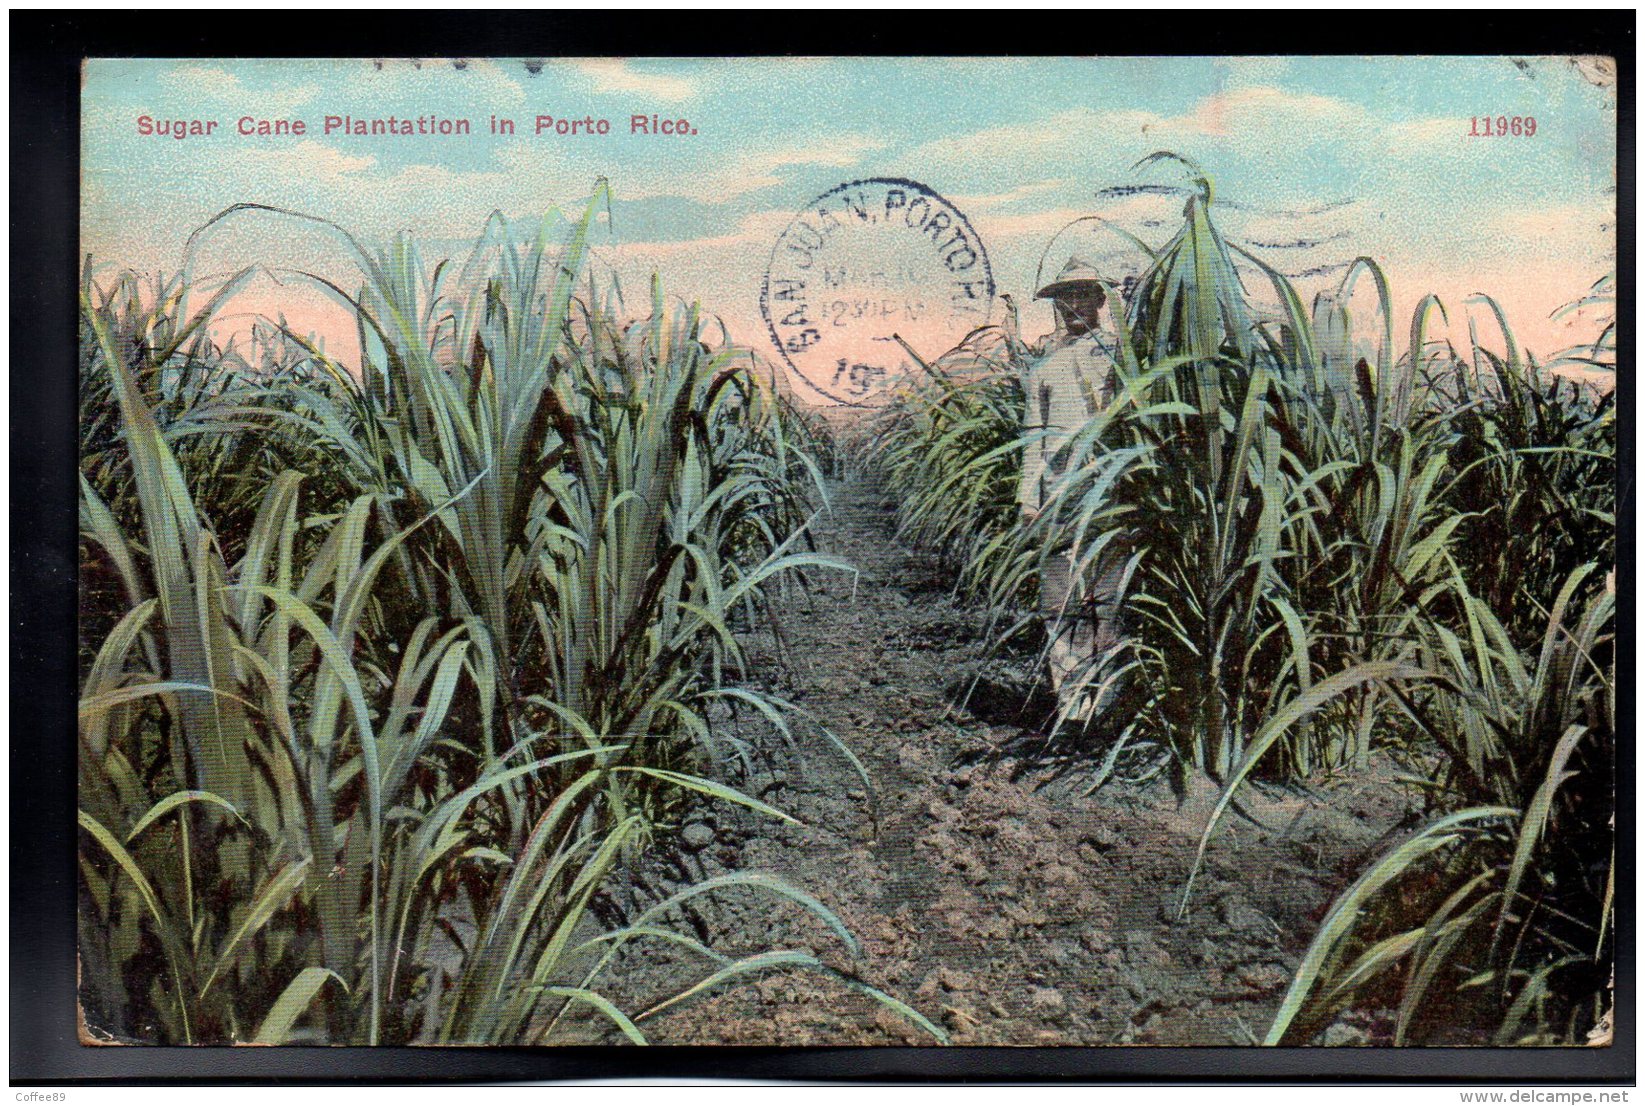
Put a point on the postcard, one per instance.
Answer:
(848, 551)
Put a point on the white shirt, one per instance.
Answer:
(1065, 386)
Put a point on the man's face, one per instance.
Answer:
(1078, 308)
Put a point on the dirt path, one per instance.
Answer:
(1008, 913)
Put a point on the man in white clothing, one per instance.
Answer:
(1068, 382)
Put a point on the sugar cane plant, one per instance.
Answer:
(353, 771)
(1330, 548)
(953, 438)
(1501, 911)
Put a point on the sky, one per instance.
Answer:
(1316, 161)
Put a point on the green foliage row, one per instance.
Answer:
(388, 672)
(1330, 548)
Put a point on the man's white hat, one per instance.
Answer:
(1077, 274)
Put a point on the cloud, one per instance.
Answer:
(1263, 109)
(1249, 118)
(751, 171)
(491, 84)
(1033, 140)
(760, 170)
(1574, 234)
(310, 159)
(614, 76)
(482, 83)
(1028, 224)
(215, 83)
(1011, 197)
(757, 229)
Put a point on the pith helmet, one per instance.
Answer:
(1078, 275)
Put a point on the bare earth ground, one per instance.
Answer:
(1009, 913)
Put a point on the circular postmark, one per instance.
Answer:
(864, 265)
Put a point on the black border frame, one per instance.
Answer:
(46, 50)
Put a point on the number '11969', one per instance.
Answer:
(1500, 126)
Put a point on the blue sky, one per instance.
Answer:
(1022, 146)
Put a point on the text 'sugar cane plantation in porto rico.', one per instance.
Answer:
(1057, 551)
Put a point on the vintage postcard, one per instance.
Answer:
(841, 551)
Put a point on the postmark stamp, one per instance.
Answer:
(862, 265)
